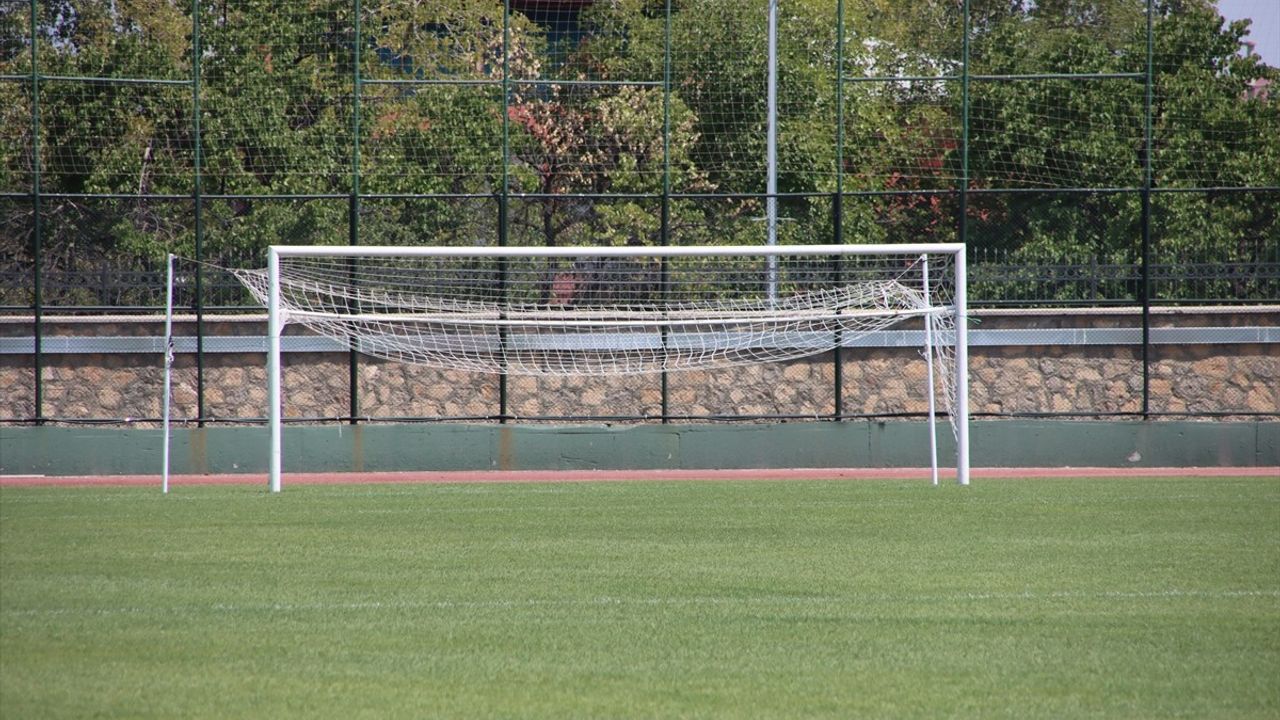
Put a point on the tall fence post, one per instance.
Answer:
(771, 150)
(37, 248)
(1146, 216)
(962, 224)
(837, 211)
(197, 192)
(504, 196)
(353, 206)
(665, 231)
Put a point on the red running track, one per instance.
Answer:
(547, 476)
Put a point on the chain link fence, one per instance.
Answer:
(1129, 157)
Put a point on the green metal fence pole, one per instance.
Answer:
(962, 225)
(1146, 216)
(37, 299)
(666, 192)
(837, 208)
(962, 228)
(197, 191)
(504, 196)
(353, 208)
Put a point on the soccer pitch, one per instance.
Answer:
(1047, 598)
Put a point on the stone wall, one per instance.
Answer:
(1086, 379)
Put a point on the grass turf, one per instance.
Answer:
(1048, 598)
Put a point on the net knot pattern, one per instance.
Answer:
(617, 314)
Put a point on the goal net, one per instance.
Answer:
(620, 310)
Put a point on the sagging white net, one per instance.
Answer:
(613, 315)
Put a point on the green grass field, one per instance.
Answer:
(1032, 598)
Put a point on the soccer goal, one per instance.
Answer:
(621, 310)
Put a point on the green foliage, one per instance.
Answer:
(276, 107)
(278, 117)
(1208, 130)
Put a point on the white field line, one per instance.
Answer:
(727, 507)
(428, 491)
(612, 601)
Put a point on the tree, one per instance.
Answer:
(1212, 130)
(95, 137)
(1089, 133)
(585, 113)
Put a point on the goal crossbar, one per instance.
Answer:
(490, 251)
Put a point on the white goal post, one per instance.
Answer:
(619, 310)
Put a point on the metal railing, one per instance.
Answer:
(999, 278)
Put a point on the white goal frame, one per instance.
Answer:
(276, 317)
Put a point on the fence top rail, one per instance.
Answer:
(257, 315)
(578, 251)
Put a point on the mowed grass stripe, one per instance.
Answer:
(1053, 598)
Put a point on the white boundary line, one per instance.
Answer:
(613, 600)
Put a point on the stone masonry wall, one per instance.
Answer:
(1075, 379)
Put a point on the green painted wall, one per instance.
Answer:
(337, 448)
